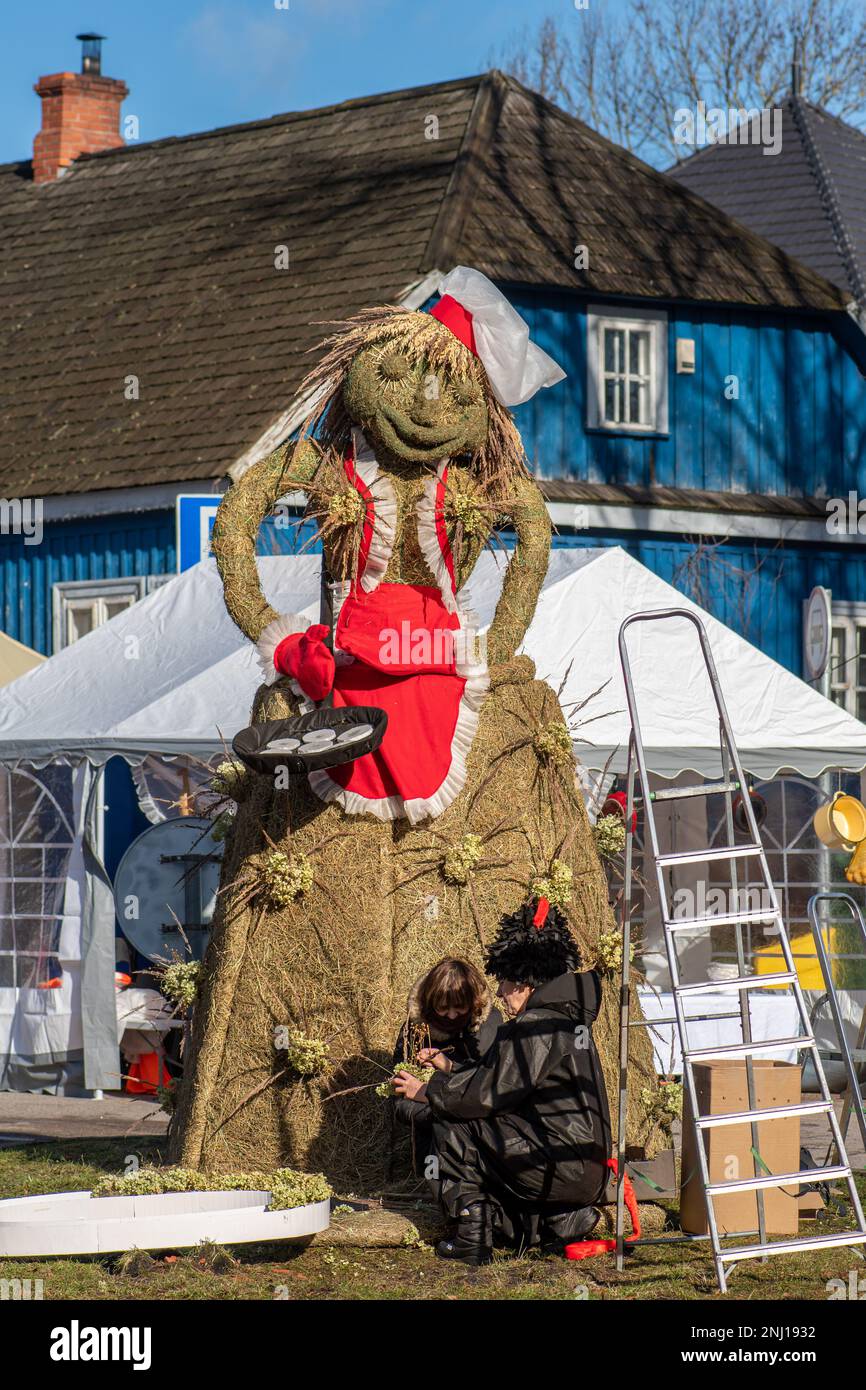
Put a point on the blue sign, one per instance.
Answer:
(195, 518)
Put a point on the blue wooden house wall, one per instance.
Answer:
(109, 547)
(797, 428)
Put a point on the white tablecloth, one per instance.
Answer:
(145, 1011)
(773, 1014)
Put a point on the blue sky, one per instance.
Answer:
(194, 64)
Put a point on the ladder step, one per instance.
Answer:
(722, 919)
(699, 789)
(773, 1112)
(673, 1020)
(839, 1170)
(858, 1054)
(741, 982)
(698, 856)
(704, 1054)
(781, 1247)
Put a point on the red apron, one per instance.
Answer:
(410, 650)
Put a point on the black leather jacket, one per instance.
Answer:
(541, 1083)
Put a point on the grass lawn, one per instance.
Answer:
(341, 1272)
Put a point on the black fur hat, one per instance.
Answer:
(534, 945)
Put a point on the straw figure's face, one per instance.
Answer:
(418, 401)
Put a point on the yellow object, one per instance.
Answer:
(769, 959)
(856, 870)
(841, 823)
(15, 659)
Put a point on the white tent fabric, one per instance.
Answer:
(779, 722)
(173, 675)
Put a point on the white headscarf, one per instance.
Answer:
(515, 367)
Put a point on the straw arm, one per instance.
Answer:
(525, 574)
(243, 509)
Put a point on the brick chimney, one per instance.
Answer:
(80, 113)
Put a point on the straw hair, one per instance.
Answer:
(421, 338)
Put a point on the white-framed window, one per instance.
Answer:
(36, 839)
(848, 657)
(627, 370)
(81, 605)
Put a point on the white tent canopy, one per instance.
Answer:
(173, 675)
(779, 722)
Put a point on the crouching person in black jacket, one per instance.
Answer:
(450, 1020)
(523, 1138)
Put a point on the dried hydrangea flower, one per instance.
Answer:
(179, 982)
(286, 877)
(461, 858)
(609, 835)
(552, 743)
(556, 885)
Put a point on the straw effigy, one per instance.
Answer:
(325, 920)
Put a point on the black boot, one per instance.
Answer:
(560, 1228)
(472, 1243)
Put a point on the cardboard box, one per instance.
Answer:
(721, 1089)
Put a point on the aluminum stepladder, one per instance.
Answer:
(733, 780)
(853, 1059)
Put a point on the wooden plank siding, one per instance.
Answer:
(112, 547)
(797, 427)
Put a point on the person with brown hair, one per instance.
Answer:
(523, 1137)
(450, 1017)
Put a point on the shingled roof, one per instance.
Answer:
(157, 262)
(810, 198)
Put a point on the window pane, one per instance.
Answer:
(79, 621)
(638, 353)
(28, 863)
(7, 936)
(33, 936)
(7, 972)
(28, 898)
(613, 349)
(638, 409)
(44, 899)
(114, 606)
(28, 971)
(613, 401)
(838, 669)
